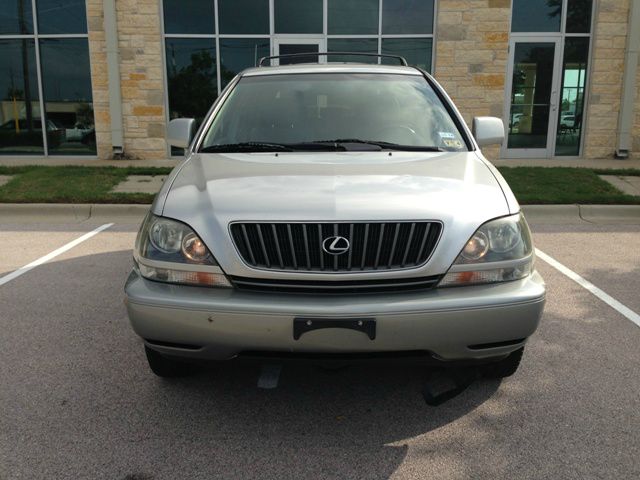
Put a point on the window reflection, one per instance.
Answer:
(191, 78)
(536, 15)
(531, 95)
(574, 76)
(417, 51)
(353, 17)
(296, 16)
(367, 45)
(243, 16)
(68, 103)
(16, 17)
(20, 123)
(579, 16)
(236, 54)
(57, 16)
(189, 16)
(407, 16)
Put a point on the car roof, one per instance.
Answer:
(331, 68)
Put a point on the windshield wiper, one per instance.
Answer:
(247, 147)
(344, 142)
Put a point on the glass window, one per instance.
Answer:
(401, 109)
(68, 103)
(192, 81)
(417, 51)
(16, 17)
(243, 16)
(368, 45)
(579, 16)
(353, 17)
(20, 123)
(296, 16)
(536, 15)
(407, 16)
(236, 54)
(189, 16)
(574, 74)
(61, 16)
(298, 49)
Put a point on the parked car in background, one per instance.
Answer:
(20, 134)
(332, 211)
(568, 120)
(78, 132)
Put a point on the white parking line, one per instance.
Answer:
(605, 297)
(22, 270)
(269, 376)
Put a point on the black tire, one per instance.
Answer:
(166, 367)
(505, 367)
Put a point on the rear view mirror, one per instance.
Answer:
(488, 131)
(180, 132)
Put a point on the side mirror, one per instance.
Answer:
(488, 131)
(180, 132)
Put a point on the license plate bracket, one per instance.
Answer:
(302, 325)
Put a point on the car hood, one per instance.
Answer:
(212, 190)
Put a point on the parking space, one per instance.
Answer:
(78, 400)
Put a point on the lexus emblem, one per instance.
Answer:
(335, 245)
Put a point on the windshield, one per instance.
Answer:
(295, 111)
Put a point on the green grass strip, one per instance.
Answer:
(74, 184)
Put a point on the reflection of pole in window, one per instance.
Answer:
(25, 67)
(13, 95)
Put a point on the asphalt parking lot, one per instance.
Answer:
(78, 401)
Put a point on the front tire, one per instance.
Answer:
(166, 367)
(505, 367)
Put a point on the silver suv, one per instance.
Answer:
(334, 210)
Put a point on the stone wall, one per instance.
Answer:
(636, 124)
(472, 43)
(610, 37)
(141, 78)
(472, 38)
(99, 83)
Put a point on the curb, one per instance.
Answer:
(130, 213)
(71, 213)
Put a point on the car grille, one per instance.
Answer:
(336, 288)
(298, 246)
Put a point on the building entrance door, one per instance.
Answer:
(534, 84)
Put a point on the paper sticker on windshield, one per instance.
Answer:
(444, 135)
(452, 143)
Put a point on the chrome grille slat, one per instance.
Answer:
(335, 257)
(351, 249)
(293, 248)
(364, 248)
(375, 265)
(406, 250)
(306, 243)
(320, 243)
(393, 245)
(246, 239)
(263, 246)
(275, 238)
(297, 246)
(424, 240)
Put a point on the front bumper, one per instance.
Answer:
(219, 324)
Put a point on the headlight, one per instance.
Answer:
(499, 251)
(170, 251)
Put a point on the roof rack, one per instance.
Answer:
(400, 59)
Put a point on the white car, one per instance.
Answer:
(335, 211)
